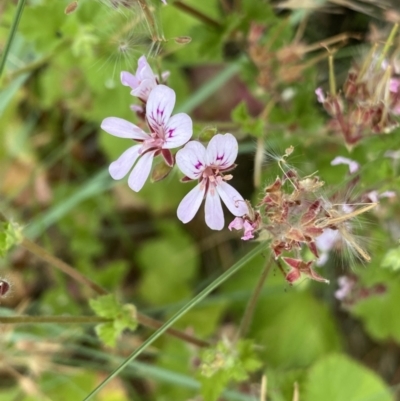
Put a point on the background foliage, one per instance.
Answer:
(61, 80)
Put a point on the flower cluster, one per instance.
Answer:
(293, 215)
(165, 132)
(369, 101)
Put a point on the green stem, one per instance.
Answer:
(216, 283)
(25, 319)
(249, 312)
(332, 80)
(14, 26)
(150, 20)
(387, 46)
(197, 14)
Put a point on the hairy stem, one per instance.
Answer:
(14, 26)
(80, 278)
(251, 305)
(25, 319)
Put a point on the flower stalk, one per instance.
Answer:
(251, 305)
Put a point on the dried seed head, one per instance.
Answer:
(370, 98)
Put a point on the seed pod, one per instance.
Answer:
(160, 171)
(71, 7)
(183, 40)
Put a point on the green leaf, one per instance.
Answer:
(10, 234)
(248, 124)
(338, 378)
(124, 317)
(105, 306)
(107, 333)
(380, 312)
(284, 322)
(392, 259)
(226, 362)
(167, 262)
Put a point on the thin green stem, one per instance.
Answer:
(388, 44)
(216, 283)
(188, 9)
(332, 80)
(25, 319)
(14, 26)
(249, 312)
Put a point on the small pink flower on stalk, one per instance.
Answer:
(208, 166)
(249, 223)
(143, 82)
(242, 224)
(166, 133)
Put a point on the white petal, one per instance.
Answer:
(222, 151)
(190, 204)
(128, 79)
(232, 199)
(124, 163)
(178, 131)
(141, 172)
(191, 160)
(144, 89)
(144, 70)
(159, 107)
(213, 211)
(123, 129)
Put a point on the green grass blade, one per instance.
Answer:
(216, 283)
(14, 26)
(98, 184)
(211, 87)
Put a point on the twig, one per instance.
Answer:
(26, 319)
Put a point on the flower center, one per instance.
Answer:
(155, 142)
(211, 177)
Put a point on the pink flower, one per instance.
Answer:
(325, 243)
(247, 224)
(320, 95)
(143, 82)
(241, 224)
(346, 285)
(207, 165)
(166, 133)
(353, 165)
